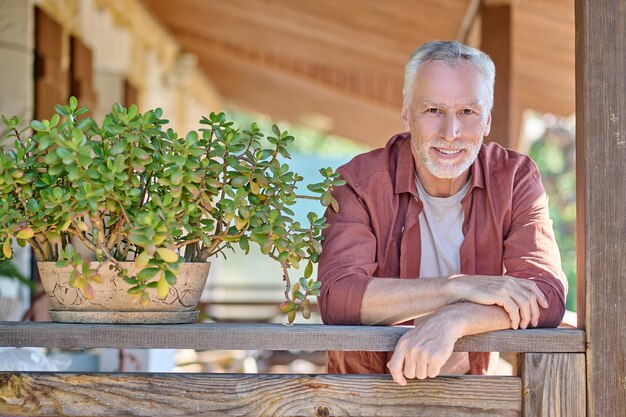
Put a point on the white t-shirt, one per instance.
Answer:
(441, 227)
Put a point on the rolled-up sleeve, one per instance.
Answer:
(348, 259)
(530, 248)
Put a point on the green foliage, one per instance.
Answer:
(133, 189)
(555, 155)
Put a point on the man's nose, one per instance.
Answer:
(450, 127)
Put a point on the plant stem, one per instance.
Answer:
(38, 251)
(98, 223)
(143, 192)
(187, 242)
(88, 243)
(287, 280)
(307, 197)
(19, 139)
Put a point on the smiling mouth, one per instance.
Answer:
(449, 151)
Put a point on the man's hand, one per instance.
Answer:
(423, 351)
(520, 298)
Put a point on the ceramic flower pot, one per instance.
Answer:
(111, 302)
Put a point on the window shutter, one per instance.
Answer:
(81, 73)
(131, 95)
(50, 79)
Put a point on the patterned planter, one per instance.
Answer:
(111, 302)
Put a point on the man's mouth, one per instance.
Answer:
(449, 151)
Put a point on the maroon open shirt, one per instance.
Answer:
(376, 233)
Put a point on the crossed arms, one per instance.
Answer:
(530, 293)
(444, 310)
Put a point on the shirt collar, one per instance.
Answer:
(405, 171)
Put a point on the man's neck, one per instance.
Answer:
(440, 187)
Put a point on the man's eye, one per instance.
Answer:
(432, 110)
(468, 112)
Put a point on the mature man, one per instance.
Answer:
(470, 220)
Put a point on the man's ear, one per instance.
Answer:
(405, 117)
(488, 125)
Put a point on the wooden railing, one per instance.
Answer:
(551, 381)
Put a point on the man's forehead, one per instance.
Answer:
(474, 102)
(440, 83)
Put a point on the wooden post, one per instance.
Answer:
(553, 384)
(601, 202)
(497, 42)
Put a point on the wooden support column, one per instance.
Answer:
(553, 385)
(601, 199)
(496, 41)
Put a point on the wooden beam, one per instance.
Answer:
(326, 31)
(601, 202)
(471, 13)
(500, 2)
(46, 394)
(309, 337)
(264, 88)
(496, 41)
(553, 385)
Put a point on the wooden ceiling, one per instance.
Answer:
(342, 61)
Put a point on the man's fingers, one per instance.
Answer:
(409, 368)
(534, 313)
(433, 370)
(421, 369)
(524, 299)
(396, 367)
(530, 285)
(524, 317)
(513, 311)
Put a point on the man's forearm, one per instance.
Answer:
(422, 351)
(470, 318)
(392, 301)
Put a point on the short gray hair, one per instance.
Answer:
(451, 53)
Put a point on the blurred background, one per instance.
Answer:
(330, 72)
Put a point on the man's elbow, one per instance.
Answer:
(340, 302)
(553, 315)
(333, 310)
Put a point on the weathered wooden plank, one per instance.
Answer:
(601, 181)
(39, 394)
(553, 385)
(310, 337)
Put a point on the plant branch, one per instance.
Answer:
(307, 197)
(123, 210)
(19, 138)
(84, 239)
(187, 242)
(98, 223)
(38, 251)
(143, 192)
(283, 265)
(114, 238)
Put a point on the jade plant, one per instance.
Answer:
(131, 189)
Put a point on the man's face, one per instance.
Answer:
(448, 117)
